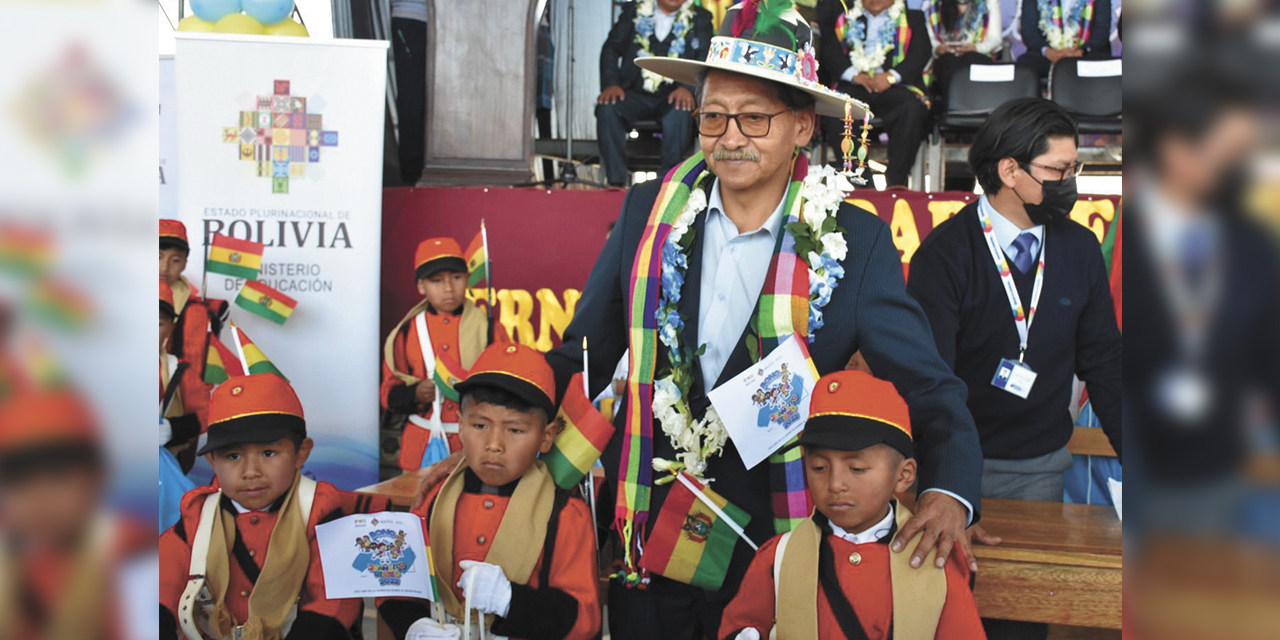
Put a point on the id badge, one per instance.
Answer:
(1014, 377)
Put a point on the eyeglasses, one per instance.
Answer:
(1062, 173)
(752, 125)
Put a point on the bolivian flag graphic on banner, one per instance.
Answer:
(583, 439)
(690, 543)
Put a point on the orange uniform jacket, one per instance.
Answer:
(399, 397)
(318, 617)
(567, 607)
(867, 586)
(194, 395)
(190, 336)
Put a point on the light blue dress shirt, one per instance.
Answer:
(1006, 231)
(734, 266)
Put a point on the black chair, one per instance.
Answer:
(1097, 102)
(969, 102)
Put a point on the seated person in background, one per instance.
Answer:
(962, 33)
(833, 576)
(184, 398)
(243, 557)
(1057, 29)
(671, 28)
(457, 331)
(876, 52)
(506, 539)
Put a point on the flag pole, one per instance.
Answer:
(586, 371)
(235, 337)
(588, 481)
(488, 270)
(204, 276)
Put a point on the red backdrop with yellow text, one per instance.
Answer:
(542, 244)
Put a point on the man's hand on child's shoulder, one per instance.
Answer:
(942, 519)
(434, 475)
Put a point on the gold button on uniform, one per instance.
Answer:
(244, 594)
(488, 504)
(445, 347)
(252, 553)
(855, 558)
(446, 321)
(253, 520)
(480, 540)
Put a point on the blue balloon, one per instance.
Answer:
(214, 10)
(268, 12)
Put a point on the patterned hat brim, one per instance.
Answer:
(829, 103)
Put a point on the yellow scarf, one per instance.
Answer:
(181, 294)
(918, 594)
(473, 337)
(282, 575)
(518, 543)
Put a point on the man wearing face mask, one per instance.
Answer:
(1018, 300)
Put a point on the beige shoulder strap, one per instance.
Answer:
(796, 607)
(918, 594)
(778, 554)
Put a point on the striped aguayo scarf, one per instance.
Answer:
(782, 310)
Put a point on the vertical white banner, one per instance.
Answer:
(168, 140)
(280, 142)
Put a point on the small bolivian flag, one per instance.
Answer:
(477, 256)
(448, 373)
(234, 257)
(259, 299)
(579, 445)
(220, 363)
(251, 357)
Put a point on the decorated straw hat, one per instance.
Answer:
(766, 39)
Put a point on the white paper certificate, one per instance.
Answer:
(767, 404)
(374, 554)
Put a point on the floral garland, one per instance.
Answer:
(821, 245)
(1059, 32)
(645, 26)
(855, 38)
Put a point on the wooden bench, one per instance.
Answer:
(1058, 563)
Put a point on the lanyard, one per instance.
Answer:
(1021, 320)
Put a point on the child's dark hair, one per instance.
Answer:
(502, 398)
(174, 244)
(56, 458)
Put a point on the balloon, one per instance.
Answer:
(194, 23)
(287, 28)
(214, 10)
(268, 11)
(238, 23)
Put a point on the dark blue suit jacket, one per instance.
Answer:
(869, 310)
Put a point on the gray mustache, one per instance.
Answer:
(724, 154)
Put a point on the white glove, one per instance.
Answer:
(486, 587)
(428, 629)
(749, 633)
(166, 431)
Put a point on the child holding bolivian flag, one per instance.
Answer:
(431, 349)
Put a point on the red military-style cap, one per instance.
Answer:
(173, 235)
(253, 409)
(852, 410)
(522, 371)
(438, 254)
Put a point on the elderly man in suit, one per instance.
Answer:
(695, 312)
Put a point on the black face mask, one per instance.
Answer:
(1059, 197)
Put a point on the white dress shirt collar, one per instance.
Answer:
(1006, 231)
(874, 533)
(715, 212)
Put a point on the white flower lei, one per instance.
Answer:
(644, 24)
(862, 60)
(1066, 36)
(695, 441)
